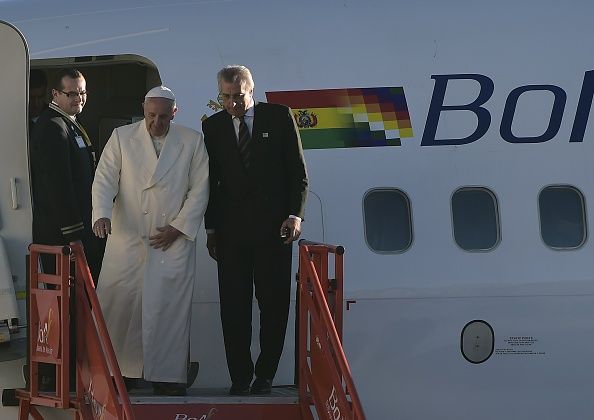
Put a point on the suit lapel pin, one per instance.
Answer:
(264, 135)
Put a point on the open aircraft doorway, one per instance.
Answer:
(116, 85)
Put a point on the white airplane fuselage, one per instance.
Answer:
(499, 98)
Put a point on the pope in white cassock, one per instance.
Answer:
(149, 197)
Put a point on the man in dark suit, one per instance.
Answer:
(63, 166)
(258, 187)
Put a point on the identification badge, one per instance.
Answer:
(80, 141)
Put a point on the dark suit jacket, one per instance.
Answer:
(62, 175)
(272, 188)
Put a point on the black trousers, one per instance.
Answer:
(243, 267)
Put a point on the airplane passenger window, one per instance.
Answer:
(475, 218)
(562, 217)
(388, 226)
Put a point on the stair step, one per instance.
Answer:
(279, 395)
(216, 403)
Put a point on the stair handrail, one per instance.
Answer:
(313, 302)
(87, 307)
(84, 278)
(56, 285)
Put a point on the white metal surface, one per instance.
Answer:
(402, 337)
(8, 304)
(15, 208)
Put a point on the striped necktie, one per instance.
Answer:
(243, 143)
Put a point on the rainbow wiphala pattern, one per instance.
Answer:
(358, 117)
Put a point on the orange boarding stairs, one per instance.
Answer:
(324, 375)
(325, 384)
(50, 302)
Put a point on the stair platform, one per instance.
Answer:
(280, 395)
(216, 403)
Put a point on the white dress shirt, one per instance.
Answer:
(249, 120)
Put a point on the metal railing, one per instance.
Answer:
(324, 373)
(100, 389)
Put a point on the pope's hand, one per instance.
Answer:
(102, 227)
(165, 238)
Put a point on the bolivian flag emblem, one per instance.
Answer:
(338, 118)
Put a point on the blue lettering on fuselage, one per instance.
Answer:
(437, 107)
(483, 115)
(554, 121)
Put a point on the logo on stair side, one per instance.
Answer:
(211, 413)
(332, 406)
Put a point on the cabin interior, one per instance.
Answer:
(116, 85)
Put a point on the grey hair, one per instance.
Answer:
(235, 73)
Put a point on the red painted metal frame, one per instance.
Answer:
(87, 304)
(323, 368)
(84, 281)
(61, 291)
(324, 375)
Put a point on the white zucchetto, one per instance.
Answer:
(160, 92)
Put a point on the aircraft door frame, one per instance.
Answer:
(15, 194)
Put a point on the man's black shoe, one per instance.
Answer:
(170, 389)
(239, 389)
(261, 386)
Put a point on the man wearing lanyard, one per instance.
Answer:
(258, 186)
(62, 167)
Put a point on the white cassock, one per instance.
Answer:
(146, 293)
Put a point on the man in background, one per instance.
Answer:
(62, 167)
(37, 96)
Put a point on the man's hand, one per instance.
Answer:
(211, 245)
(165, 238)
(102, 227)
(292, 227)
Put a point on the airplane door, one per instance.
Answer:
(15, 197)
